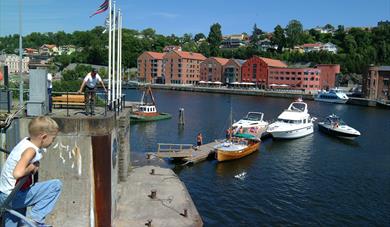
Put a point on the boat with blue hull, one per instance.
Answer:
(332, 96)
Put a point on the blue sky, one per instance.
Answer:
(179, 17)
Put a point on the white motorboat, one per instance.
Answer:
(332, 96)
(335, 126)
(295, 122)
(252, 124)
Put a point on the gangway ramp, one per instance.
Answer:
(187, 152)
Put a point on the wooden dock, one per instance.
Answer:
(189, 153)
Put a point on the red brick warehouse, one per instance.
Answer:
(255, 70)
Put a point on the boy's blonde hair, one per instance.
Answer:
(41, 125)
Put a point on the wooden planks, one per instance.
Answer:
(68, 100)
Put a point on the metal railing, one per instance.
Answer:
(172, 148)
(68, 104)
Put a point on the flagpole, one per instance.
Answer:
(113, 56)
(20, 56)
(109, 55)
(120, 60)
(117, 55)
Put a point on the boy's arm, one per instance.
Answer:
(24, 167)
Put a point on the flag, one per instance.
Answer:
(103, 7)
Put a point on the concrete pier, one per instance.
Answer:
(86, 157)
(91, 156)
(155, 196)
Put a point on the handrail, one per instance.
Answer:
(172, 148)
(68, 94)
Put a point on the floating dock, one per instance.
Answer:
(186, 152)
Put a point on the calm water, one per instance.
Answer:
(315, 180)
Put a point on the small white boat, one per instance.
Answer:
(332, 96)
(295, 122)
(335, 126)
(252, 124)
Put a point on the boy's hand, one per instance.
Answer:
(35, 167)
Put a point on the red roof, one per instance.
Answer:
(50, 46)
(190, 55)
(273, 62)
(156, 55)
(312, 45)
(221, 61)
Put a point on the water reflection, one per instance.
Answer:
(349, 142)
(235, 167)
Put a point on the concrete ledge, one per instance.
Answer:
(97, 125)
(135, 206)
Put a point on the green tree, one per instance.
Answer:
(199, 36)
(214, 39)
(204, 48)
(294, 32)
(278, 38)
(256, 35)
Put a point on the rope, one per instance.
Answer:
(7, 122)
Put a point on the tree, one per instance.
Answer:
(204, 48)
(214, 39)
(256, 33)
(329, 27)
(294, 31)
(315, 34)
(278, 38)
(199, 36)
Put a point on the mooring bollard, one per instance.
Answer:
(153, 193)
(152, 172)
(185, 213)
(149, 223)
(181, 116)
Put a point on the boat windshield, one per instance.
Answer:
(298, 107)
(254, 117)
(334, 120)
(290, 121)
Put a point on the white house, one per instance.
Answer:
(329, 47)
(12, 61)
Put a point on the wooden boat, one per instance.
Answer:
(147, 110)
(236, 148)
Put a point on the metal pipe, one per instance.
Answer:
(20, 55)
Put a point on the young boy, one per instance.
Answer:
(24, 160)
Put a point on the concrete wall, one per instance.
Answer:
(85, 158)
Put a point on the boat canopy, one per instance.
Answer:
(246, 136)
